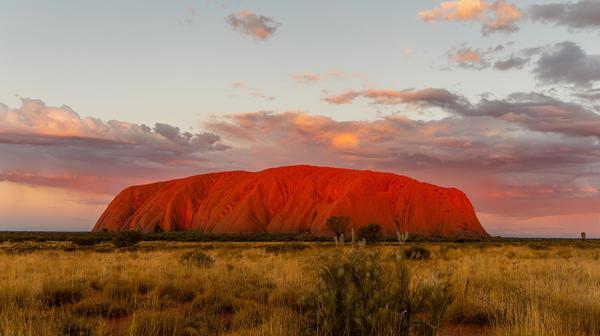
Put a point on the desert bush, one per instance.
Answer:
(213, 304)
(440, 297)
(416, 253)
(472, 316)
(95, 308)
(76, 326)
(87, 241)
(156, 323)
(285, 247)
(248, 316)
(422, 305)
(197, 258)
(56, 294)
(125, 291)
(170, 292)
(353, 298)
(371, 233)
(213, 313)
(14, 298)
(127, 238)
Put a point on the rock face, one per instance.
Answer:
(291, 199)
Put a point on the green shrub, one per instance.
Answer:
(423, 305)
(197, 258)
(127, 238)
(349, 295)
(371, 233)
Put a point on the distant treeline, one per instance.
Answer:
(195, 236)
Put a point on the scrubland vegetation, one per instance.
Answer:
(299, 288)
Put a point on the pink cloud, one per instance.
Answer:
(238, 85)
(344, 98)
(495, 16)
(54, 146)
(466, 55)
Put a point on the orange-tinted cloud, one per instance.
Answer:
(344, 141)
(495, 16)
(461, 10)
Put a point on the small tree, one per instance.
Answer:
(583, 236)
(370, 233)
(338, 225)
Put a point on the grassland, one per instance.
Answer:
(299, 288)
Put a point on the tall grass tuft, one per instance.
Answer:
(354, 298)
(197, 258)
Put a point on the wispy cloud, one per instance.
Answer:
(307, 77)
(253, 92)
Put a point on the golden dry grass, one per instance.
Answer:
(499, 288)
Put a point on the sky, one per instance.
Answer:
(500, 99)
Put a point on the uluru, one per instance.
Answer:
(296, 199)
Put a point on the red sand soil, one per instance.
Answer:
(291, 199)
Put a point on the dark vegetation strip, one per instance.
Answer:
(92, 238)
